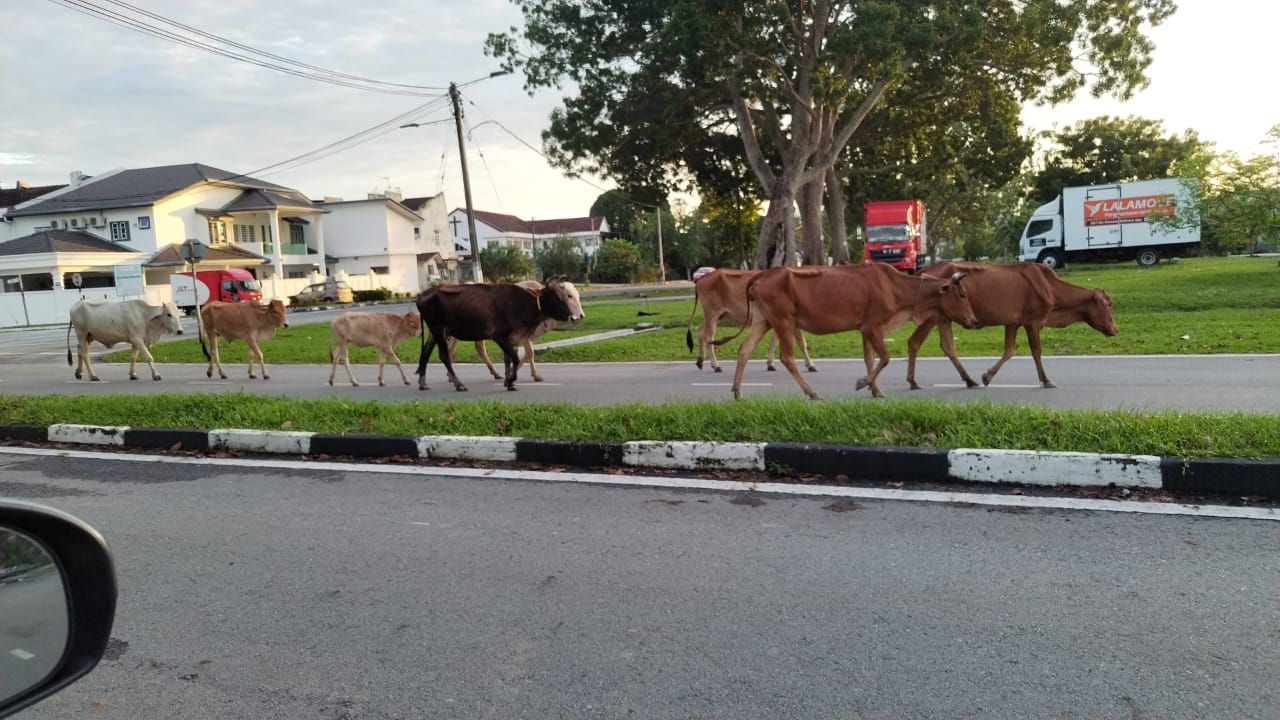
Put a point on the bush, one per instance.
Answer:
(374, 295)
(617, 262)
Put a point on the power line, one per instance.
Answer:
(299, 69)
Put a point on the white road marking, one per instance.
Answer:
(21, 654)
(415, 522)
(729, 384)
(931, 496)
(996, 385)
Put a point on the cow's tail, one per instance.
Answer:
(69, 326)
(750, 286)
(688, 333)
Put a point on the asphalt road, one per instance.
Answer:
(253, 592)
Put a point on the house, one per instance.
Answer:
(529, 235)
(21, 192)
(400, 242)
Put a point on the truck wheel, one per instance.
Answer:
(1052, 259)
(1148, 257)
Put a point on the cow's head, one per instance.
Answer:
(555, 303)
(410, 324)
(1097, 312)
(574, 301)
(954, 301)
(275, 309)
(170, 319)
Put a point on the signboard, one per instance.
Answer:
(129, 280)
(192, 251)
(187, 291)
(1127, 210)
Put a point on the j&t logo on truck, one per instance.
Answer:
(1127, 210)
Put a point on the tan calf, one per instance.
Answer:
(723, 294)
(381, 330)
(248, 321)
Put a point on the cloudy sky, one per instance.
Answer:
(83, 94)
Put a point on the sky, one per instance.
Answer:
(85, 95)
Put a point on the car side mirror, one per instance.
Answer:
(57, 602)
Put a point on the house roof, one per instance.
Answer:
(21, 194)
(417, 203)
(255, 200)
(141, 187)
(59, 241)
(168, 256)
(511, 223)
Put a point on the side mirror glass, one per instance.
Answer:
(33, 614)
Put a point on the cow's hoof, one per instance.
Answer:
(266, 377)
(156, 378)
(133, 377)
(423, 387)
(381, 384)
(986, 379)
(912, 384)
(812, 369)
(770, 368)
(699, 364)
(511, 388)
(460, 388)
(862, 382)
(968, 382)
(79, 374)
(537, 378)
(1050, 385)
(719, 369)
(208, 373)
(222, 376)
(93, 378)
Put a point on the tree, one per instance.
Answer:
(1236, 199)
(505, 263)
(1105, 150)
(793, 80)
(618, 261)
(619, 209)
(561, 256)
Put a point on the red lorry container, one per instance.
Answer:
(894, 233)
(227, 285)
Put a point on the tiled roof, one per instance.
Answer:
(59, 241)
(511, 223)
(252, 200)
(168, 256)
(12, 196)
(141, 187)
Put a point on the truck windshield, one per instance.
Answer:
(248, 284)
(888, 233)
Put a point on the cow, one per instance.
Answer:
(575, 314)
(382, 330)
(872, 298)
(723, 294)
(136, 322)
(1026, 295)
(505, 313)
(250, 321)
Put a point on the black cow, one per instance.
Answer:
(506, 314)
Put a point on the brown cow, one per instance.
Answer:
(507, 314)
(571, 296)
(249, 321)
(382, 330)
(872, 298)
(1026, 295)
(723, 294)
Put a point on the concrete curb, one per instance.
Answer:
(1219, 476)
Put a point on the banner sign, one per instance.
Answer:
(1127, 210)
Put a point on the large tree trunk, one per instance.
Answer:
(835, 219)
(777, 244)
(811, 222)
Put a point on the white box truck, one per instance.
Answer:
(1110, 222)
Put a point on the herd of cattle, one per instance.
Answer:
(874, 299)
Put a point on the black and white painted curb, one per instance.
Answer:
(1219, 476)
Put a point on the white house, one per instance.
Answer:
(402, 243)
(494, 229)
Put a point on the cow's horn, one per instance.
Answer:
(958, 276)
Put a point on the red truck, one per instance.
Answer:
(227, 285)
(894, 233)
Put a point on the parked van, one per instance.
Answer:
(227, 285)
(331, 290)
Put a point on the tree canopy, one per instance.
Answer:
(663, 89)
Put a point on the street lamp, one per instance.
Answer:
(476, 273)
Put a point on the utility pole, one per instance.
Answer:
(662, 264)
(477, 274)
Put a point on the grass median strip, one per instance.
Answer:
(910, 423)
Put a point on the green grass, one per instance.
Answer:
(1220, 305)
(918, 423)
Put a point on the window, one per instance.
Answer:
(217, 232)
(144, 222)
(119, 230)
(245, 233)
(296, 236)
(75, 222)
(1039, 227)
(380, 270)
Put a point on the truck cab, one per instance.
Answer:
(894, 233)
(225, 285)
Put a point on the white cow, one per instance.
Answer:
(136, 322)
